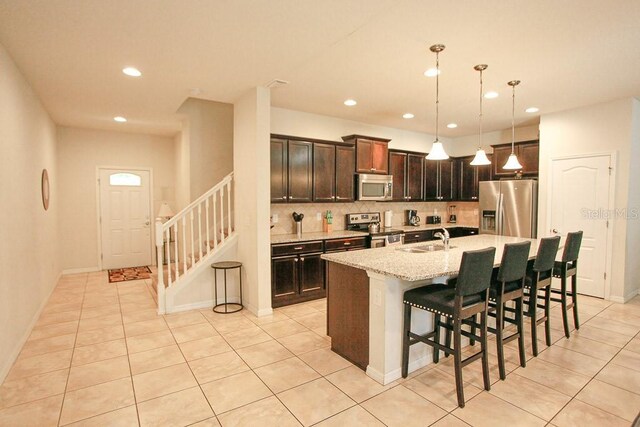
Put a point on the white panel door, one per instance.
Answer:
(580, 201)
(124, 218)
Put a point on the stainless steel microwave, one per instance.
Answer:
(375, 187)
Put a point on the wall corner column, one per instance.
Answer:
(251, 135)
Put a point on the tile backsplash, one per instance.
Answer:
(467, 213)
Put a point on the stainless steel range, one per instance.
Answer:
(369, 222)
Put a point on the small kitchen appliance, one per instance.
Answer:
(452, 214)
(369, 222)
(434, 219)
(375, 187)
(412, 217)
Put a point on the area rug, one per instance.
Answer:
(129, 273)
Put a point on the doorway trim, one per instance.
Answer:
(613, 155)
(98, 208)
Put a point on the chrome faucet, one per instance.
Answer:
(444, 237)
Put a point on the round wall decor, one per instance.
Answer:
(45, 189)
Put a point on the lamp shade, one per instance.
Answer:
(480, 159)
(437, 152)
(512, 163)
(165, 211)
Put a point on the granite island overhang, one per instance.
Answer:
(365, 299)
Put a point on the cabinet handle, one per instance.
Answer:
(298, 248)
(302, 258)
(416, 235)
(373, 169)
(333, 197)
(289, 197)
(284, 197)
(408, 197)
(338, 197)
(296, 260)
(347, 243)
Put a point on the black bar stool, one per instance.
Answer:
(461, 298)
(508, 285)
(568, 267)
(539, 278)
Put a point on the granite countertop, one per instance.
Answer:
(390, 261)
(317, 235)
(422, 227)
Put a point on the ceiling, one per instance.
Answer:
(567, 54)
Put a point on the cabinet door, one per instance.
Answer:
(300, 171)
(284, 279)
(414, 176)
(528, 155)
(398, 168)
(448, 180)
(311, 275)
(345, 173)
(324, 172)
(278, 170)
(364, 149)
(380, 157)
(468, 179)
(484, 173)
(500, 157)
(431, 179)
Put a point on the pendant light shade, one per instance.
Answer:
(512, 161)
(481, 158)
(437, 150)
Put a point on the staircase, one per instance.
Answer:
(189, 242)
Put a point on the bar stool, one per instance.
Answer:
(508, 285)
(568, 267)
(462, 297)
(538, 278)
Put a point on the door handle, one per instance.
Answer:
(555, 231)
(146, 223)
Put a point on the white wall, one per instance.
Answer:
(632, 268)
(29, 244)
(602, 128)
(467, 145)
(181, 164)
(298, 123)
(80, 152)
(210, 143)
(251, 183)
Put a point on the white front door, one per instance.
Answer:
(124, 218)
(580, 201)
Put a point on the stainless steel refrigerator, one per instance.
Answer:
(509, 207)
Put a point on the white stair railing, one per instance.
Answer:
(199, 228)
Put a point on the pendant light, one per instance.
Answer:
(437, 150)
(481, 158)
(512, 162)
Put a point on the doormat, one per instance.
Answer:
(129, 273)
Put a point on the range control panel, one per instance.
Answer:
(363, 218)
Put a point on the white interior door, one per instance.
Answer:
(124, 218)
(579, 197)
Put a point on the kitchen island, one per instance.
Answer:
(365, 292)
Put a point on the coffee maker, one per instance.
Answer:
(452, 214)
(412, 217)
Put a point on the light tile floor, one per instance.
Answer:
(99, 355)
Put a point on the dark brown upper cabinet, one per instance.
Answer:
(372, 154)
(345, 173)
(408, 175)
(291, 171)
(528, 156)
(440, 180)
(470, 177)
(324, 172)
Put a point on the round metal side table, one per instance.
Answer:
(224, 266)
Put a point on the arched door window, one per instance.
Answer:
(128, 179)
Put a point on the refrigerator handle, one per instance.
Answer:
(500, 217)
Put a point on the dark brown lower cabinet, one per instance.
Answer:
(297, 278)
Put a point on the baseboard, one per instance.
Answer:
(4, 370)
(81, 270)
(397, 373)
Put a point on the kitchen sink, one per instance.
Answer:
(423, 249)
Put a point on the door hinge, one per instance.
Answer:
(607, 223)
(610, 169)
(605, 275)
(102, 256)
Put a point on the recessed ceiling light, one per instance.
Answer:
(532, 110)
(432, 72)
(491, 95)
(452, 125)
(408, 116)
(350, 102)
(119, 119)
(133, 72)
